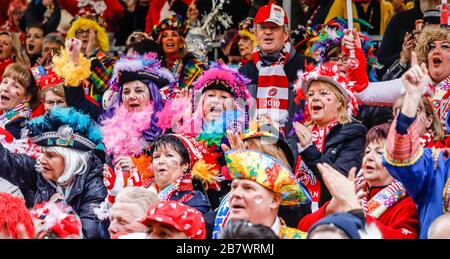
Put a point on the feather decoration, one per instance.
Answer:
(207, 170)
(81, 123)
(173, 114)
(133, 63)
(123, 132)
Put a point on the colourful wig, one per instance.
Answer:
(101, 35)
(12, 213)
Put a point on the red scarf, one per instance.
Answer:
(303, 173)
(319, 134)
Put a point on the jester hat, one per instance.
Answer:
(267, 172)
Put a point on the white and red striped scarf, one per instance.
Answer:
(319, 134)
(304, 174)
(273, 87)
(384, 199)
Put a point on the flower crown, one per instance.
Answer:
(220, 74)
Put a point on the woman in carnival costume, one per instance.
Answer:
(220, 102)
(246, 40)
(70, 166)
(423, 171)
(171, 33)
(19, 95)
(384, 200)
(218, 92)
(130, 124)
(329, 133)
(89, 26)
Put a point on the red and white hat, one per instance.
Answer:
(182, 217)
(327, 72)
(271, 13)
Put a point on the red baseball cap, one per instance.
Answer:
(271, 13)
(182, 217)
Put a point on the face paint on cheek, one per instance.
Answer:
(258, 199)
(174, 163)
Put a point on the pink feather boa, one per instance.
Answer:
(122, 134)
(176, 116)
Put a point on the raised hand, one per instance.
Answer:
(73, 47)
(415, 80)
(113, 179)
(351, 39)
(235, 142)
(303, 134)
(125, 163)
(407, 48)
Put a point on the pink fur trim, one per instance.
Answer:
(122, 134)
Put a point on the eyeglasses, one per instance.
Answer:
(344, 59)
(80, 32)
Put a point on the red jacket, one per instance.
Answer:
(397, 222)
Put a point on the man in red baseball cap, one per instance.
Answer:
(274, 67)
(174, 220)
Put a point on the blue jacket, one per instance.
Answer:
(198, 200)
(424, 177)
(87, 193)
(424, 180)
